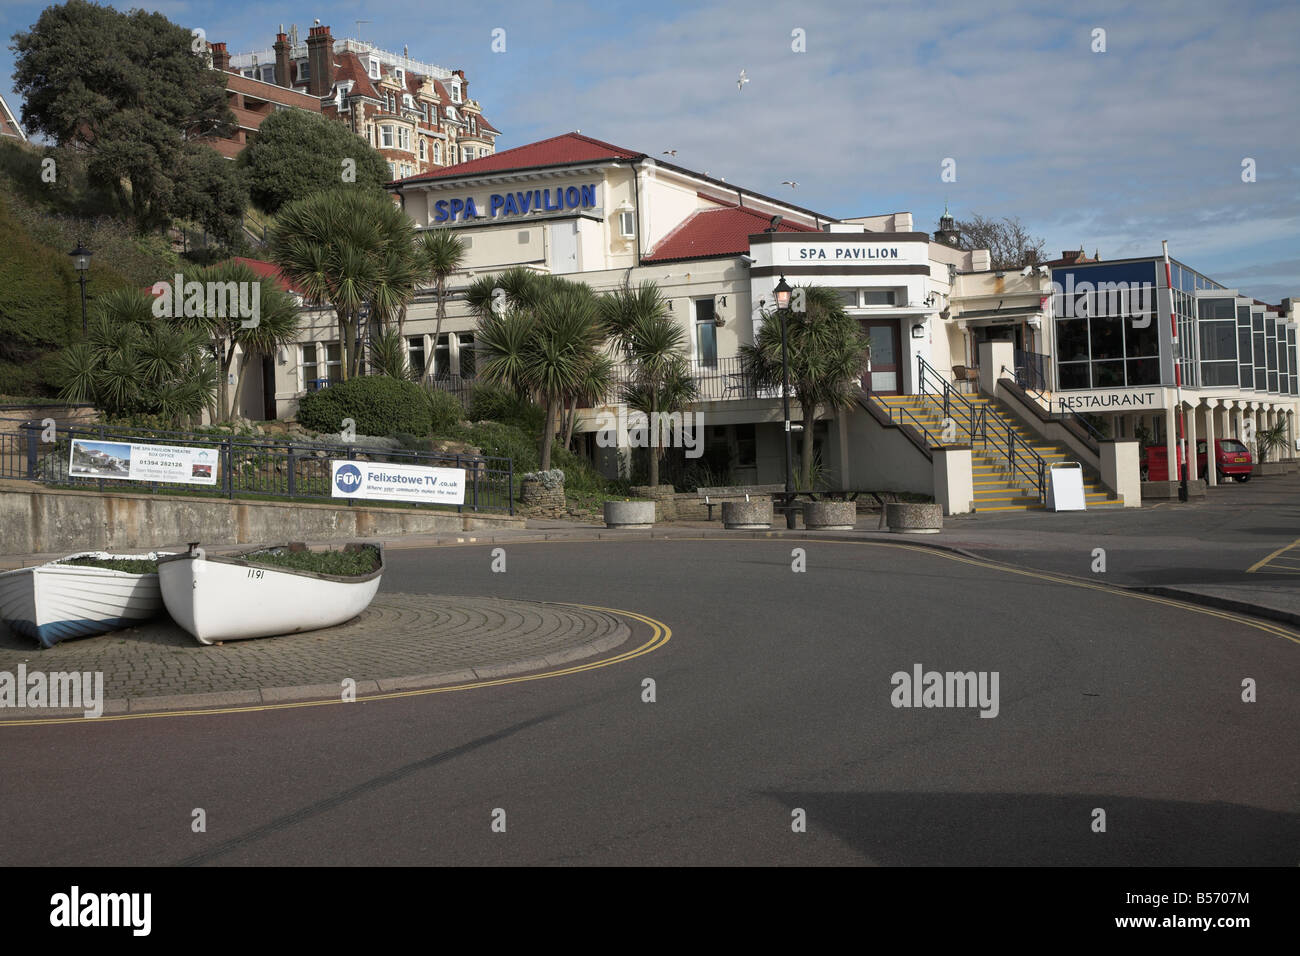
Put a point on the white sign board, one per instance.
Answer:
(128, 461)
(856, 253)
(385, 482)
(1065, 487)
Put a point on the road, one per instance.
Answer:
(772, 696)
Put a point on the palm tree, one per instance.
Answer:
(655, 347)
(828, 353)
(134, 363)
(441, 255)
(336, 246)
(230, 338)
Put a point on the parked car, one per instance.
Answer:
(1232, 459)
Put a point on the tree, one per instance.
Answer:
(655, 346)
(339, 247)
(540, 337)
(828, 353)
(228, 335)
(442, 253)
(1009, 244)
(135, 363)
(211, 192)
(296, 154)
(131, 88)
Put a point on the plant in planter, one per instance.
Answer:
(1270, 440)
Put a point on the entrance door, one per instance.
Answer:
(268, 388)
(885, 377)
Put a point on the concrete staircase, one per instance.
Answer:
(996, 488)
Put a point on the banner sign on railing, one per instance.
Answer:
(365, 479)
(129, 461)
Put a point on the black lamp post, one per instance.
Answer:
(81, 262)
(782, 291)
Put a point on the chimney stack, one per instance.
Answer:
(282, 67)
(320, 59)
(220, 58)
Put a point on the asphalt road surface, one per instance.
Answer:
(772, 696)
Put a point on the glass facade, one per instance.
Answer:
(1217, 341)
(1107, 326)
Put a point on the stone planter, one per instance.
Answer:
(629, 514)
(1269, 468)
(909, 518)
(830, 515)
(753, 515)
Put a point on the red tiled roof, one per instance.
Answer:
(707, 233)
(268, 270)
(556, 151)
(348, 67)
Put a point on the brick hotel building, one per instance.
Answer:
(419, 116)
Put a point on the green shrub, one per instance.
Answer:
(378, 404)
(493, 404)
(445, 409)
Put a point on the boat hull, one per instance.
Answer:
(228, 599)
(56, 602)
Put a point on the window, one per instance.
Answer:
(415, 355)
(374, 69)
(626, 224)
(268, 74)
(466, 154)
(424, 148)
(386, 136)
(706, 334)
(849, 297)
(304, 70)
(407, 101)
(401, 75)
(451, 112)
(392, 171)
(403, 138)
(333, 364)
(878, 297)
(442, 355)
(455, 95)
(437, 152)
(468, 357)
(310, 369)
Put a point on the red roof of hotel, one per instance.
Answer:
(269, 270)
(708, 233)
(563, 150)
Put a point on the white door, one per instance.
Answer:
(564, 247)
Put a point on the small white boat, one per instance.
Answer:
(57, 601)
(230, 598)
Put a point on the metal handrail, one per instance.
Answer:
(915, 423)
(1065, 415)
(976, 419)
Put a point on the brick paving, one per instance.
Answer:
(401, 640)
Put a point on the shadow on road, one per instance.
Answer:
(1017, 829)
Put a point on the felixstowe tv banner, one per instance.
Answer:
(131, 462)
(419, 483)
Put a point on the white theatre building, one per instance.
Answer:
(610, 216)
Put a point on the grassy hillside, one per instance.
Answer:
(40, 299)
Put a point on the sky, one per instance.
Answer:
(1113, 149)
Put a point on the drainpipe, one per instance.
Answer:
(636, 204)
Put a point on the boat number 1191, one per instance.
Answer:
(255, 573)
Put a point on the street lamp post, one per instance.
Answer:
(782, 291)
(81, 262)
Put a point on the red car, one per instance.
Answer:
(1232, 459)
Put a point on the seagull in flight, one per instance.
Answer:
(789, 182)
(670, 152)
(741, 80)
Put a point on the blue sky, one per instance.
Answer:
(1113, 150)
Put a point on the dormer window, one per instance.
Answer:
(451, 112)
(374, 69)
(407, 101)
(401, 75)
(455, 92)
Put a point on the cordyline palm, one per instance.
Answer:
(660, 379)
(828, 353)
(133, 362)
(336, 246)
(231, 341)
(565, 341)
(596, 383)
(441, 253)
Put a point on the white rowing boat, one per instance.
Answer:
(230, 598)
(58, 601)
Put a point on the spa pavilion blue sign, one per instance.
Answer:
(517, 203)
